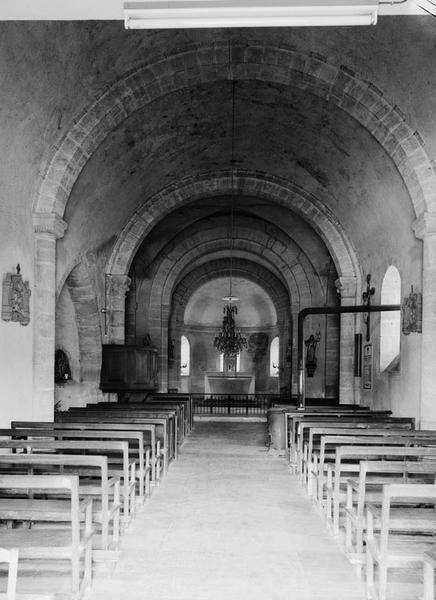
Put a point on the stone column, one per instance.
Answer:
(425, 229)
(346, 287)
(163, 349)
(117, 287)
(48, 228)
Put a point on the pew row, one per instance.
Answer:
(368, 487)
(157, 453)
(104, 490)
(348, 461)
(165, 421)
(127, 473)
(70, 542)
(135, 439)
(399, 533)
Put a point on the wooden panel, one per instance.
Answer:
(128, 368)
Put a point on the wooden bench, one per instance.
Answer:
(406, 532)
(306, 436)
(167, 419)
(339, 471)
(374, 430)
(330, 443)
(429, 580)
(100, 447)
(346, 418)
(135, 440)
(11, 557)
(186, 399)
(327, 414)
(148, 431)
(104, 489)
(133, 424)
(174, 410)
(369, 487)
(71, 543)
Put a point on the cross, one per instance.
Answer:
(366, 296)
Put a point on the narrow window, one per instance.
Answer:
(230, 361)
(390, 322)
(274, 358)
(185, 356)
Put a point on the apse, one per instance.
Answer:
(255, 307)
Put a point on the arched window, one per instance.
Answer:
(274, 358)
(390, 322)
(185, 356)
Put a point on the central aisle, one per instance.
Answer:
(229, 523)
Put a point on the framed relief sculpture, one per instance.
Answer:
(16, 298)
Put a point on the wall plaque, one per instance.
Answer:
(16, 298)
(412, 313)
(367, 367)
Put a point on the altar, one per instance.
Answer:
(222, 383)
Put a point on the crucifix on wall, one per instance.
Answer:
(366, 299)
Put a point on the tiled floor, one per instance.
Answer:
(229, 522)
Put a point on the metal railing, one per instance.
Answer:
(233, 404)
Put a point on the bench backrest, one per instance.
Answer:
(11, 558)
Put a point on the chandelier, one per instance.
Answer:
(229, 341)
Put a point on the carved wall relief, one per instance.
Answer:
(16, 298)
(412, 313)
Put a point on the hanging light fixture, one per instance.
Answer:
(229, 341)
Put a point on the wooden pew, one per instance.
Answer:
(429, 579)
(10, 557)
(186, 399)
(102, 487)
(70, 544)
(132, 416)
(375, 429)
(148, 431)
(181, 406)
(328, 414)
(329, 444)
(100, 447)
(310, 432)
(176, 408)
(406, 533)
(369, 488)
(134, 423)
(347, 417)
(134, 438)
(339, 471)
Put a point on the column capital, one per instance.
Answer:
(346, 287)
(49, 223)
(425, 225)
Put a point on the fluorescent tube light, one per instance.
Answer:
(181, 14)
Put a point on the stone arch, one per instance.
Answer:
(296, 269)
(88, 323)
(241, 267)
(246, 183)
(257, 61)
(217, 268)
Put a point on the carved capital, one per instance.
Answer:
(49, 223)
(425, 225)
(346, 287)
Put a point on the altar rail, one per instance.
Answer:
(235, 404)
